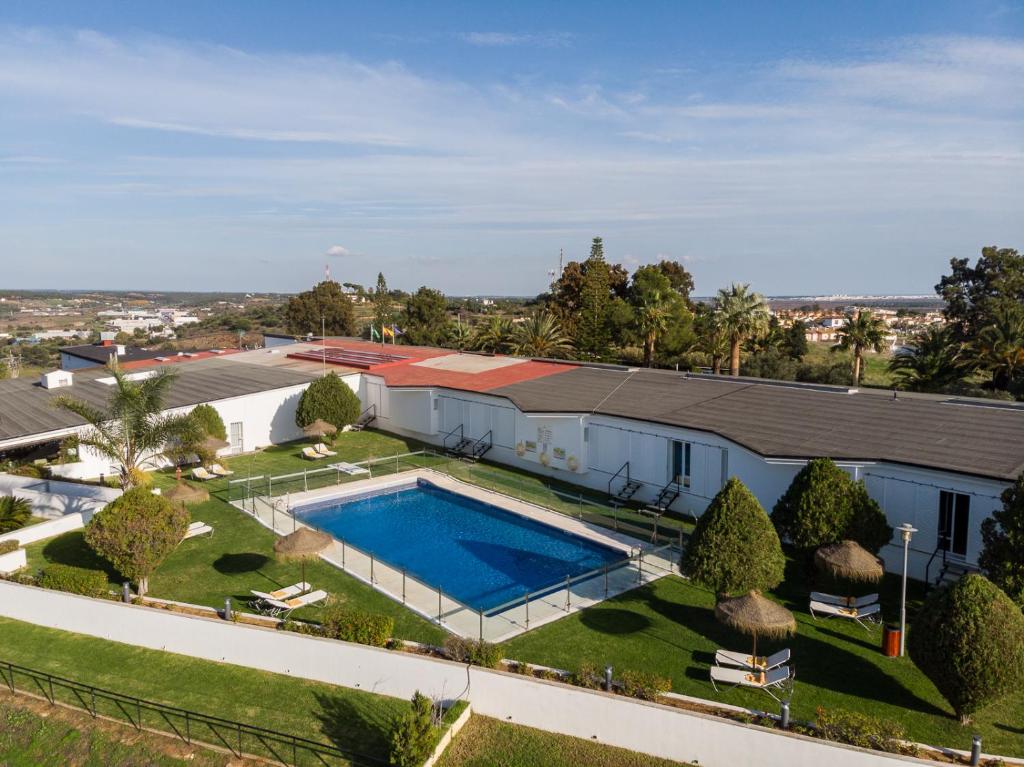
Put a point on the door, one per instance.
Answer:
(681, 463)
(954, 522)
(237, 444)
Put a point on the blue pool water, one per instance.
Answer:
(479, 554)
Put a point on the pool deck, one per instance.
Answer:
(494, 626)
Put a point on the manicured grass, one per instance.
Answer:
(669, 627)
(875, 366)
(487, 742)
(350, 719)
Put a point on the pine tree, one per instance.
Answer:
(381, 304)
(592, 334)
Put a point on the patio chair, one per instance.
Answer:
(311, 454)
(859, 602)
(282, 608)
(759, 680)
(744, 660)
(858, 614)
(196, 529)
(260, 597)
(200, 473)
(349, 468)
(323, 450)
(220, 471)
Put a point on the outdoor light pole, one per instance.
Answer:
(906, 532)
(323, 339)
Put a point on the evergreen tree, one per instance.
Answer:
(592, 334)
(329, 399)
(382, 314)
(1002, 536)
(794, 341)
(425, 318)
(325, 307)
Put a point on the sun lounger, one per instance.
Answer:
(288, 592)
(858, 614)
(760, 680)
(283, 607)
(349, 468)
(830, 599)
(744, 660)
(220, 471)
(196, 529)
(201, 473)
(323, 450)
(311, 454)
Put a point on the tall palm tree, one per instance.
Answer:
(541, 336)
(712, 340)
(861, 331)
(742, 315)
(132, 429)
(495, 336)
(999, 347)
(933, 362)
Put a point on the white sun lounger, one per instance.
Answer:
(196, 529)
(349, 468)
(220, 471)
(284, 607)
(831, 599)
(743, 660)
(202, 474)
(322, 449)
(260, 597)
(311, 454)
(858, 614)
(760, 680)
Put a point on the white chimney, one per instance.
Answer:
(120, 350)
(56, 380)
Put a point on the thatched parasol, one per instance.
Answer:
(319, 428)
(850, 561)
(756, 615)
(305, 543)
(184, 493)
(213, 444)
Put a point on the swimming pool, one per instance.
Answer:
(477, 553)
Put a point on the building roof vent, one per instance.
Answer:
(56, 379)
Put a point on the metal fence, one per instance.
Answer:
(190, 726)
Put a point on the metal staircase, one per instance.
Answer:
(951, 568)
(367, 417)
(666, 496)
(628, 489)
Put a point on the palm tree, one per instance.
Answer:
(999, 347)
(861, 331)
(494, 336)
(741, 315)
(541, 336)
(934, 362)
(14, 512)
(132, 429)
(712, 340)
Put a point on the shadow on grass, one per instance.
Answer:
(355, 725)
(614, 621)
(71, 549)
(236, 564)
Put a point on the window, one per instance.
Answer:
(681, 452)
(236, 437)
(954, 522)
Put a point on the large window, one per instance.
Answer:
(954, 521)
(681, 462)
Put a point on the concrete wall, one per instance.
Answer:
(649, 728)
(54, 499)
(12, 561)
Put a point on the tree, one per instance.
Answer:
(934, 362)
(860, 331)
(541, 336)
(656, 307)
(712, 338)
(868, 524)
(592, 335)
(325, 308)
(1002, 543)
(208, 420)
(999, 346)
(972, 294)
(136, 532)
(132, 429)
(14, 512)
(494, 336)
(425, 318)
(329, 399)
(734, 547)
(680, 279)
(794, 340)
(412, 734)
(966, 639)
(382, 314)
(741, 315)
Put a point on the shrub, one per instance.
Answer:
(587, 676)
(6, 547)
(330, 399)
(966, 639)
(29, 470)
(644, 685)
(74, 580)
(472, 651)
(860, 730)
(351, 624)
(413, 734)
(136, 532)
(734, 547)
(519, 667)
(1002, 536)
(868, 525)
(14, 513)
(209, 421)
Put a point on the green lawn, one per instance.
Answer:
(487, 742)
(875, 366)
(350, 719)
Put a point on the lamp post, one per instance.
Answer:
(906, 533)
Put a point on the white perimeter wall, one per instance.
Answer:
(649, 728)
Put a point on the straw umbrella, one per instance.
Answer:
(756, 615)
(184, 493)
(319, 428)
(213, 444)
(849, 561)
(305, 543)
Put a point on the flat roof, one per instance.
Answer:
(101, 354)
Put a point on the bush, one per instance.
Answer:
(6, 547)
(1002, 536)
(14, 513)
(644, 685)
(74, 580)
(868, 525)
(860, 730)
(330, 399)
(351, 624)
(472, 651)
(209, 421)
(587, 676)
(967, 640)
(29, 470)
(413, 735)
(734, 547)
(136, 531)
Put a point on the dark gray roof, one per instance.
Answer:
(102, 354)
(792, 422)
(26, 408)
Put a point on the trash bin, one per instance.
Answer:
(891, 641)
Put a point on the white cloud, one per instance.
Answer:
(508, 39)
(339, 251)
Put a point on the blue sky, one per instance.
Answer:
(801, 147)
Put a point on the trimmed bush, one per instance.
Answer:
(472, 651)
(330, 399)
(868, 525)
(413, 735)
(734, 547)
(14, 513)
(644, 685)
(351, 624)
(209, 421)
(136, 532)
(587, 676)
(74, 580)
(29, 470)
(1002, 536)
(6, 547)
(860, 730)
(967, 640)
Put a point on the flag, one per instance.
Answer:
(389, 332)
(374, 335)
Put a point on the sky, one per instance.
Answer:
(804, 148)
